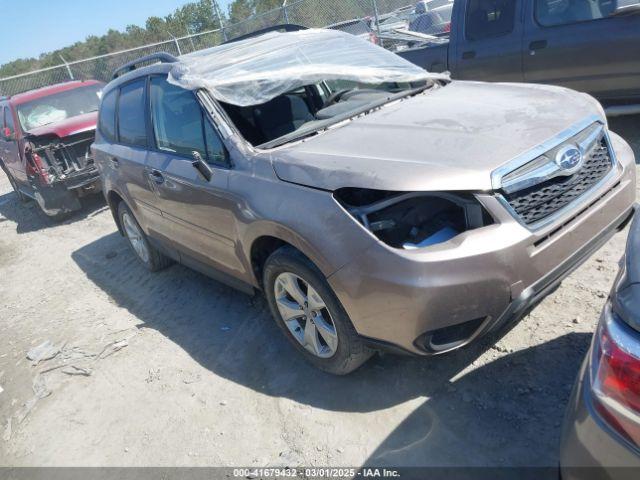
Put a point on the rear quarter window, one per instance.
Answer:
(107, 116)
(132, 128)
(489, 18)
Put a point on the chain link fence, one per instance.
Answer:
(359, 17)
(103, 66)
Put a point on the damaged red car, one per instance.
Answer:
(45, 140)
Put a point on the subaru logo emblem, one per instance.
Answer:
(569, 159)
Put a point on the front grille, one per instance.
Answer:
(540, 201)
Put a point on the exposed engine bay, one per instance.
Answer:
(413, 220)
(61, 171)
(54, 159)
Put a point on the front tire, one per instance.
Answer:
(310, 315)
(146, 253)
(21, 196)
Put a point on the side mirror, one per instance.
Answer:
(201, 166)
(7, 133)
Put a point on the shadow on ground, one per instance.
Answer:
(29, 218)
(233, 335)
(516, 404)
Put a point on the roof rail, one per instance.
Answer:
(162, 57)
(285, 27)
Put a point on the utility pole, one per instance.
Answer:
(190, 35)
(376, 15)
(68, 67)
(286, 14)
(216, 12)
(175, 40)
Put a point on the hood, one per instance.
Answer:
(449, 138)
(68, 126)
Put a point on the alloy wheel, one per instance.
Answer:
(306, 315)
(135, 237)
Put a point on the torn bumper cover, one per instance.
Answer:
(62, 171)
(63, 196)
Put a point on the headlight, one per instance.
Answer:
(416, 219)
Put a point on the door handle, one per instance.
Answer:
(115, 163)
(469, 55)
(537, 45)
(157, 176)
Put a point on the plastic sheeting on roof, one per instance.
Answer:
(256, 70)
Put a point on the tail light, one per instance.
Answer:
(615, 376)
(447, 28)
(373, 38)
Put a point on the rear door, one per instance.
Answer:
(578, 44)
(489, 44)
(197, 211)
(121, 149)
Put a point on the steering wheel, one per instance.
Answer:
(335, 97)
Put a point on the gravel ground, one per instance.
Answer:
(174, 369)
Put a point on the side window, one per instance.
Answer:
(550, 13)
(107, 118)
(179, 124)
(216, 152)
(8, 121)
(489, 18)
(132, 128)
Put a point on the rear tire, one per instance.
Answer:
(333, 344)
(146, 253)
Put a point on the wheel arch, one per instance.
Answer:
(266, 238)
(113, 200)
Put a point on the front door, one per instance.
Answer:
(584, 45)
(489, 47)
(9, 150)
(197, 208)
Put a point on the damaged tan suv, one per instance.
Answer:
(376, 205)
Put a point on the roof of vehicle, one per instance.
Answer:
(353, 21)
(356, 26)
(31, 95)
(283, 27)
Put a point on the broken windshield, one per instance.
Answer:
(260, 69)
(59, 106)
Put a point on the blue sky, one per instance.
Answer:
(31, 27)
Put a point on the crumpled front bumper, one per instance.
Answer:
(485, 277)
(82, 179)
(63, 195)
